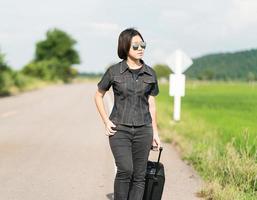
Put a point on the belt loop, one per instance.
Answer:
(133, 130)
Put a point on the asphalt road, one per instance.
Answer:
(53, 147)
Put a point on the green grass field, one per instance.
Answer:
(217, 134)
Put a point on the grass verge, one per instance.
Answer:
(216, 135)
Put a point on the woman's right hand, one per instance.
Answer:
(108, 127)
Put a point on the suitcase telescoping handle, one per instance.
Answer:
(160, 152)
(157, 163)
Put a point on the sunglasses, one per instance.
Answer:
(135, 46)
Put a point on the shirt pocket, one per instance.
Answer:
(148, 83)
(119, 84)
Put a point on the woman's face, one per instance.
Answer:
(136, 51)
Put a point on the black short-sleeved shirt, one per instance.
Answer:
(135, 73)
(131, 95)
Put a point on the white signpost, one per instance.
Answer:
(178, 62)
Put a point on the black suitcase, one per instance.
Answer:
(154, 179)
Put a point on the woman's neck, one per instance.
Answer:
(133, 63)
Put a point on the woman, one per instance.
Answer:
(131, 127)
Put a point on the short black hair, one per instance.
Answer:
(124, 41)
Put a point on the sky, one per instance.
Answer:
(196, 27)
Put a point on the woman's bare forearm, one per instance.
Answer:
(100, 106)
(152, 109)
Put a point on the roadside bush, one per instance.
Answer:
(6, 81)
(49, 70)
(19, 79)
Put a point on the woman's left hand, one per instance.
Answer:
(156, 141)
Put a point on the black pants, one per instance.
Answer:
(130, 146)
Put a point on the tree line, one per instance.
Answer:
(53, 60)
(241, 65)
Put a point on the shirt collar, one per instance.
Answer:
(124, 67)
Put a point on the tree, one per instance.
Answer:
(162, 71)
(6, 80)
(207, 74)
(3, 65)
(250, 76)
(59, 45)
(54, 57)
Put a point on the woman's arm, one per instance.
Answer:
(152, 109)
(100, 104)
(101, 109)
